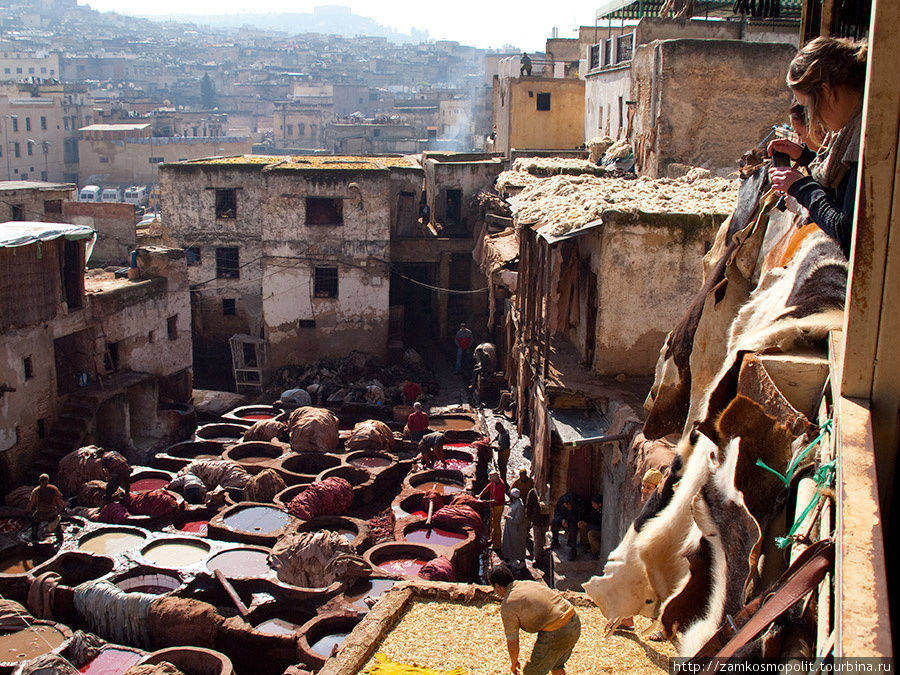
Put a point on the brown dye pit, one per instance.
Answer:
(450, 424)
(111, 543)
(177, 553)
(440, 488)
(406, 567)
(18, 563)
(374, 588)
(242, 562)
(325, 646)
(434, 536)
(277, 627)
(253, 460)
(257, 519)
(370, 462)
(26, 644)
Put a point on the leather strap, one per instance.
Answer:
(802, 577)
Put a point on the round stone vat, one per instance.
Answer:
(74, 568)
(458, 460)
(112, 540)
(443, 481)
(419, 533)
(175, 552)
(304, 467)
(181, 454)
(356, 531)
(254, 456)
(410, 505)
(284, 497)
(460, 544)
(40, 638)
(360, 480)
(192, 660)
(365, 592)
(194, 520)
(445, 423)
(112, 660)
(253, 413)
(144, 480)
(400, 559)
(222, 432)
(145, 579)
(244, 562)
(323, 636)
(18, 560)
(370, 460)
(251, 523)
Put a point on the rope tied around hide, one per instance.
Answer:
(788, 475)
(824, 477)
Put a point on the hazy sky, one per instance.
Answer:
(483, 23)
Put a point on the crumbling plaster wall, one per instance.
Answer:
(664, 253)
(602, 90)
(561, 127)
(115, 227)
(189, 219)
(359, 249)
(705, 102)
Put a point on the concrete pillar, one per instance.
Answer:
(443, 298)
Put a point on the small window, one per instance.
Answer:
(192, 254)
(28, 367)
(228, 306)
(226, 203)
(290, 129)
(151, 336)
(228, 263)
(172, 327)
(111, 357)
(29, 149)
(52, 206)
(16, 212)
(103, 159)
(153, 160)
(306, 323)
(326, 282)
(15, 120)
(17, 151)
(27, 124)
(43, 123)
(543, 101)
(42, 428)
(324, 211)
(66, 123)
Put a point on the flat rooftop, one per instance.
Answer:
(7, 185)
(307, 162)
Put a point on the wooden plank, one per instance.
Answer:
(881, 128)
(863, 614)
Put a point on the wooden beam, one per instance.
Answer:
(871, 367)
(861, 594)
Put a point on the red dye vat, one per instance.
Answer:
(370, 462)
(111, 661)
(407, 567)
(147, 484)
(434, 536)
(8, 525)
(457, 445)
(195, 526)
(440, 488)
(258, 416)
(420, 514)
(458, 464)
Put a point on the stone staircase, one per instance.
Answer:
(67, 434)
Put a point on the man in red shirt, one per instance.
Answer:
(495, 493)
(463, 344)
(411, 391)
(417, 423)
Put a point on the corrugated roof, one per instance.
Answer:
(19, 233)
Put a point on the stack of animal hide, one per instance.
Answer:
(313, 429)
(303, 559)
(218, 473)
(79, 467)
(266, 430)
(330, 497)
(264, 486)
(370, 435)
(438, 569)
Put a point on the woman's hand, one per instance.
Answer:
(789, 148)
(783, 177)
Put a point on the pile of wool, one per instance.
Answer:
(597, 146)
(553, 166)
(370, 435)
(618, 150)
(563, 203)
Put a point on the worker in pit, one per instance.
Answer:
(45, 506)
(417, 423)
(432, 448)
(827, 76)
(536, 608)
(119, 473)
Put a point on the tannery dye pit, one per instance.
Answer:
(258, 519)
(26, 644)
(175, 553)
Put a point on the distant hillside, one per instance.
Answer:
(329, 20)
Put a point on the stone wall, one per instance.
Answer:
(705, 102)
(114, 223)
